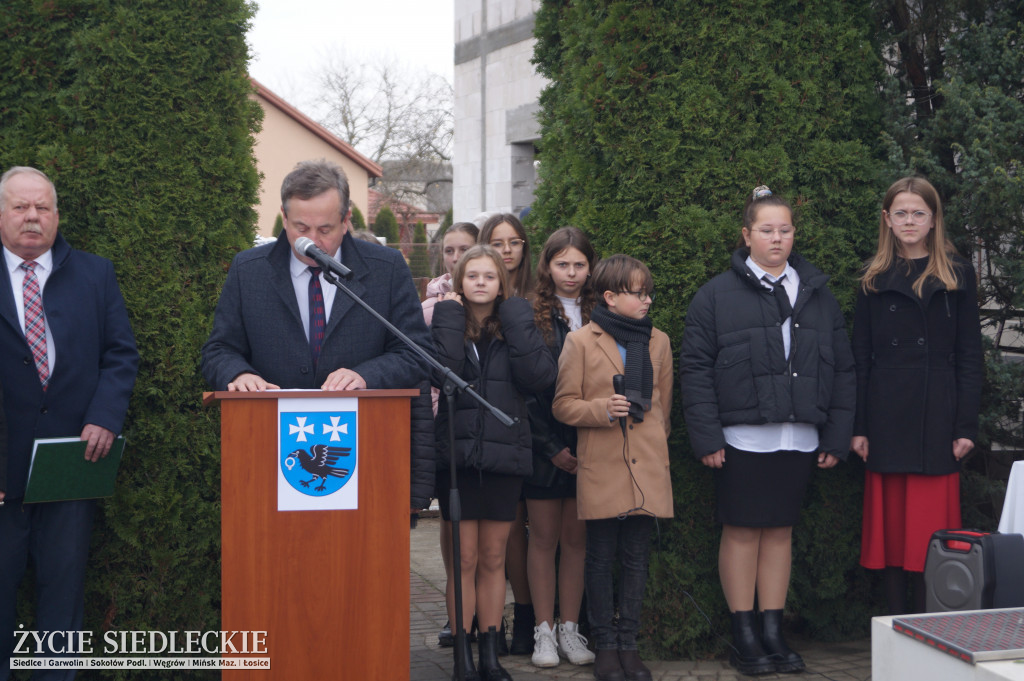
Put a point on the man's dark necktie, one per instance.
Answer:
(317, 318)
(781, 297)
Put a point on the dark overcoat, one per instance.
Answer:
(550, 436)
(919, 369)
(257, 329)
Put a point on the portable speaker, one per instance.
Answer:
(956, 574)
(974, 570)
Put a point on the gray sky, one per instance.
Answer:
(291, 39)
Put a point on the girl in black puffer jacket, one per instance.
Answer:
(492, 343)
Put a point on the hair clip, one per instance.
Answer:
(761, 192)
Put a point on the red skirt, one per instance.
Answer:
(901, 512)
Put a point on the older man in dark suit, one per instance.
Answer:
(279, 324)
(67, 365)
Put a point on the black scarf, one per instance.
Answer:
(635, 336)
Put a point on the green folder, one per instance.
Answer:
(59, 471)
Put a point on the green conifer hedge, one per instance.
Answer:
(661, 117)
(139, 112)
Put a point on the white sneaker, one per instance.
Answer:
(572, 645)
(545, 650)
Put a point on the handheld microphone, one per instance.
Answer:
(619, 386)
(306, 247)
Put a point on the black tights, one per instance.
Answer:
(896, 591)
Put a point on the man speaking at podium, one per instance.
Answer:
(280, 324)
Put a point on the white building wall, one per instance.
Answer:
(495, 83)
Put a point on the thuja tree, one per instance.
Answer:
(139, 113)
(419, 259)
(661, 117)
(957, 103)
(358, 222)
(386, 226)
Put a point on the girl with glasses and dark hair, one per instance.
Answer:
(917, 342)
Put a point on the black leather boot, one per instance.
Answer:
(633, 667)
(607, 666)
(748, 656)
(502, 639)
(786, 661)
(522, 629)
(490, 668)
(467, 664)
(445, 638)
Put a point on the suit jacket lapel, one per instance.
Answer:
(280, 267)
(8, 310)
(351, 258)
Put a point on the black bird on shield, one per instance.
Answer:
(320, 462)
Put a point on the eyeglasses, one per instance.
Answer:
(902, 217)
(514, 244)
(641, 295)
(783, 232)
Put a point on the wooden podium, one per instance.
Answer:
(330, 588)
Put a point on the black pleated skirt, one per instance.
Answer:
(762, 489)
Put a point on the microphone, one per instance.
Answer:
(306, 247)
(619, 386)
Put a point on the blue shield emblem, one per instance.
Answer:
(317, 451)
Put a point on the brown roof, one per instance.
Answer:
(401, 209)
(371, 168)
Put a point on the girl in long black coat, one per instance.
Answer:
(917, 344)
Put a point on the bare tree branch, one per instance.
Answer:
(386, 112)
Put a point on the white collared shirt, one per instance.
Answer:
(300, 282)
(43, 269)
(774, 437)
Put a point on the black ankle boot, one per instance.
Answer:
(633, 667)
(607, 666)
(748, 656)
(502, 639)
(786, 661)
(467, 664)
(445, 638)
(490, 668)
(522, 629)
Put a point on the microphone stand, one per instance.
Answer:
(452, 384)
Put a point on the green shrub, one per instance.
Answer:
(386, 226)
(139, 113)
(358, 222)
(661, 117)
(419, 258)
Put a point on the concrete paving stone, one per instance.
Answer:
(847, 661)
